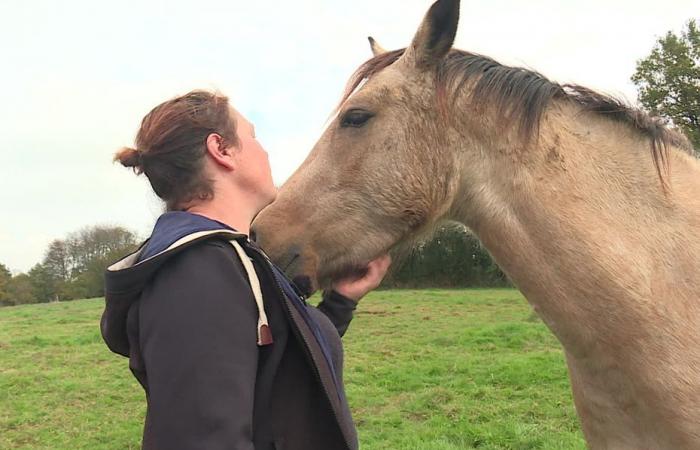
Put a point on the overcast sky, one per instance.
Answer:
(78, 76)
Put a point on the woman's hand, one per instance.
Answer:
(355, 288)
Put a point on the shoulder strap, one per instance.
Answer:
(264, 334)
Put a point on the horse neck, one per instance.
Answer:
(581, 224)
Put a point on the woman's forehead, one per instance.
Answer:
(240, 118)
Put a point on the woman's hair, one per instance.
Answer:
(171, 146)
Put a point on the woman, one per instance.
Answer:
(230, 356)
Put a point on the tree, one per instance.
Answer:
(96, 243)
(21, 290)
(56, 270)
(90, 251)
(5, 278)
(453, 257)
(44, 285)
(669, 80)
(57, 260)
(73, 267)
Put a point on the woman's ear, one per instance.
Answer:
(219, 152)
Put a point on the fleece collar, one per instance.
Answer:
(172, 230)
(175, 225)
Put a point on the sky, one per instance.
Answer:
(78, 76)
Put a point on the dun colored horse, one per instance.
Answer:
(590, 207)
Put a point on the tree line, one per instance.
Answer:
(72, 268)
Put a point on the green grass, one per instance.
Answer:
(425, 370)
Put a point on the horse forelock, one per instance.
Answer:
(367, 70)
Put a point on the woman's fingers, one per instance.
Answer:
(355, 288)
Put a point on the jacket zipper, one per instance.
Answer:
(307, 347)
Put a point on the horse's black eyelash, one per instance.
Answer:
(355, 118)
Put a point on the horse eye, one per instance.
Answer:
(355, 118)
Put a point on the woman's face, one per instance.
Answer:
(254, 172)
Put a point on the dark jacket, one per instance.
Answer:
(181, 308)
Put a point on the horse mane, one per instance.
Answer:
(521, 96)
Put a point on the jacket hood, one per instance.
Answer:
(126, 279)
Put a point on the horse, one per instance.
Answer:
(591, 208)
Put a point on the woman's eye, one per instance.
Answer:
(355, 118)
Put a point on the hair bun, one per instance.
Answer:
(130, 157)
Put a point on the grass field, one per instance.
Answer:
(425, 370)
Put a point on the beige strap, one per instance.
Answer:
(264, 334)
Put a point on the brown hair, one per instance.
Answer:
(171, 145)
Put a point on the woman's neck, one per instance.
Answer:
(228, 209)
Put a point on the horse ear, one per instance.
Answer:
(435, 36)
(376, 48)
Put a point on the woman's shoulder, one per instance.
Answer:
(208, 265)
(208, 274)
(206, 252)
